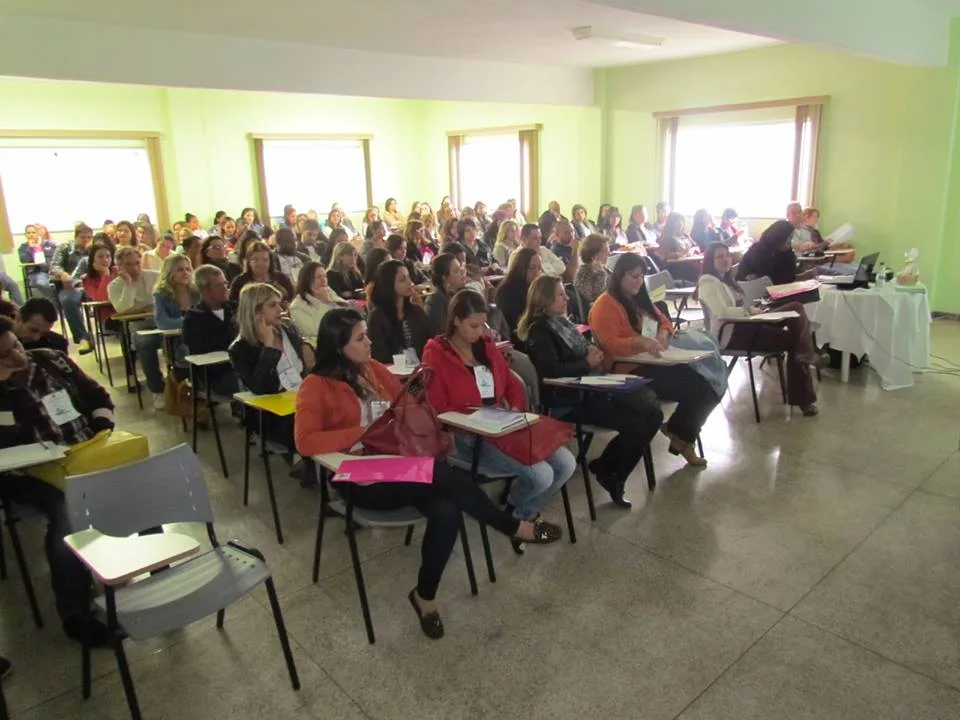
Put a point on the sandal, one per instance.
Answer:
(431, 624)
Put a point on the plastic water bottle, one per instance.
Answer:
(881, 275)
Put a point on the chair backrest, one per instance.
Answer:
(575, 306)
(657, 285)
(754, 289)
(164, 488)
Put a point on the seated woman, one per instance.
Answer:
(469, 372)
(625, 322)
(610, 226)
(342, 275)
(343, 394)
(730, 231)
(508, 240)
(582, 225)
(396, 324)
(771, 256)
(511, 294)
(419, 248)
(374, 236)
(397, 247)
(675, 245)
(96, 272)
(153, 259)
(375, 258)
(213, 251)
(449, 277)
(558, 349)
(703, 233)
(640, 231)
(477, 251)
(258, 268)
(723, 300)
(592, 275)
(313, 299)
(269, 354)
(395, 220)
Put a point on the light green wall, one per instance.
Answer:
(886, 136)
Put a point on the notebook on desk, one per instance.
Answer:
(670, 356)
(495, 420)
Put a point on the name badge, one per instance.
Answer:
(650, 327)
(39, 257)
(484, 380)
(60, 408)
(377, 409)
(410, 357)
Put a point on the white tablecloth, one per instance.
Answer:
(892, 327)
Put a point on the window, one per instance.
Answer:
(756, 159)
(313, 173)
(492, 166)
(59, 182)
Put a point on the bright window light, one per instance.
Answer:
(314, 174)
(489, 169)
(60, 186)
(748, 167)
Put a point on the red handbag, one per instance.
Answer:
(534, 443)
(410, 426)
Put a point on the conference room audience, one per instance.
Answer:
(675, 246)
(375, 258)
(34, 327)
(65, 260)
(335, 221)
(36, 252)
(723, 301)
(133, 287)
(269, 355)
(639, 230)
(480, 213)
(289, 260)
(449, 277)
(625, 322)
(663, 210)
(343, 276)
(397, 247)
(593, 274)
(258, 268)
(771, 256)
(582, 225)
(125, 235)
(227, 229)
(548, 218)
(342, 395)
(470, 372)
(508, 240)
(702, 232)
(511, 293)
(29, 380)
(558, 349)
(396, 324)
(210, 326)
(313, 298)
(610, 226)
(431, 230)
(311, 242)
(394, 219)
(372, 215)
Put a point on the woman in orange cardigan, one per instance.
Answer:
(625, 322)
(346, 391)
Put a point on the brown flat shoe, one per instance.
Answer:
(431, 624)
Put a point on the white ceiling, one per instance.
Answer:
(513, 31)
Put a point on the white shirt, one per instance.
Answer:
(290, 367)
(719, 302)
(307, 313)
(550, 263)
(138, 294)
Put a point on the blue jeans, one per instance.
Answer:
(148, 347)
(70, 299)
(12, 288)
(41, 285)
(535, 484)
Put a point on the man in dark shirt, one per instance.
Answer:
(210, 327)
(45, 397)
(35, 331)
(65, 261)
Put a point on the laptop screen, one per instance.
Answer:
(866, 267)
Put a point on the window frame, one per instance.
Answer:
(260, 174)
(808, 124)
(151, 143)
(528, 137)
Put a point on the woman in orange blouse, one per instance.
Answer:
(346, 392)
(625, 322)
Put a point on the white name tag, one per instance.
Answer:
(377, 409)
(650, 327)
(60, 408)
(484, 380)
(39, 257)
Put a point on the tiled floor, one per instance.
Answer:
(809, 572)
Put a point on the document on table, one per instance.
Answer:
(769, 316)
(21, 456)
(670, 356)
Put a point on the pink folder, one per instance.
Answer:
(583, 329)
(365, 471)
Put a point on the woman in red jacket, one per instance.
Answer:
(346, 391)
(469, 372)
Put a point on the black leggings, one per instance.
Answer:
(441, 502)
(694, 397)
(636, 416)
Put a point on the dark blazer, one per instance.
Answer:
(256, 365)
(351, 290)
(387, 337)
(204, 332)
(552, 357)
(511, 301)
(436, 308)
(779, 265)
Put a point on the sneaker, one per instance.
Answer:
(85, 348)
(94, 633)
(6, 667)
(158, 403)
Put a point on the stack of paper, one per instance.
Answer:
(670, 356)
(493, 420)
(790, 289)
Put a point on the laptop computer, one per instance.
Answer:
(860, 279)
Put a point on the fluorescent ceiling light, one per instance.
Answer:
(626, 40)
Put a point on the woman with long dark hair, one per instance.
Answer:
(771, 256)
(703, 233)
(675, 247)
(723, 301)
(343, 394)
(313, 298)
(511, 294)
(625, 322)
(213, 252)
(396, 324)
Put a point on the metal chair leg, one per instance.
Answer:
(216, 434)
(583, 447)
(282, 634)
(3, 554)
(468, 556)
(568, 511)
(318, 545)
(783, 378)
(196, 404)
(220, 617)
(700, 446)
(408, 536)
(273, 497)
(126, 678)
(488, 554)
(24, 570)
(753, 390)
(358, 574)
(649, 470)
(246, 458)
